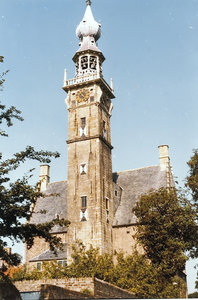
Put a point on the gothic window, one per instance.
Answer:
(83, 126)
(93, 62)
(83, 169)
(104, 130)
(83, 211)
(84, 62)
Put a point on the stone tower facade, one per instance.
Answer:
(90, 185)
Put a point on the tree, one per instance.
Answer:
(192, 178)
(166, 230)
(17, 198)
(132, 272)
(193, 295)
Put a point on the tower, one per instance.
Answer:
(90, 186)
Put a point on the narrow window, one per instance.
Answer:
(84, 62)
(83, 126)
(83, 121)
(92, 99)
(93, 62)
(84, 201)
(83, 169)
(39, 266)
(83, 211)
(107, 210)
(116, 193)
(104, 130)
(107, 203)
(73, 103)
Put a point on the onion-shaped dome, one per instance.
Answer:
(88, 26)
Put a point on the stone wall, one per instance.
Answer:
(74, 288)
(51, 292)
(124, 239)
(104, 289)
(74, 284)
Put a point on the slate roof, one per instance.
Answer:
(129, 185)
(53, 205)
(132, 184)
(50, 255)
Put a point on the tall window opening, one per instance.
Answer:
(84, 62)
(93, 62)
(83, 211)
(107, 210)
(39, 266)
(104, 130)
(84, 201)
(83, 126)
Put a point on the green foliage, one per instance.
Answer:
(166, 229)
(192, 184)
(133, 273)
(86, 291)
(10, 113)
(193, 295)
(192, 178)
(88, 263)
(17, 198)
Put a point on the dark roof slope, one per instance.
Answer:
(53, 205)
(50, 255)
(135, 183)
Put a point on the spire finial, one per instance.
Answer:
(88, 2)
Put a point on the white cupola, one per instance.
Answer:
(88, 26)
(88, 58)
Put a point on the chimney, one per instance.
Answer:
(9, 250)
(44, 177)
(164, 157)
(165, 162)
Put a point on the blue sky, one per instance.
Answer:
(151, 50)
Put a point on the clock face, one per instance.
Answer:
(82, 95)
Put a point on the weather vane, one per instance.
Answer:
(88, 2)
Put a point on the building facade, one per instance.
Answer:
(97, 202)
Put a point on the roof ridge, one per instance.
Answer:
(57, 182)
(136, 169)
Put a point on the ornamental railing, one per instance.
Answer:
(81, 79)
